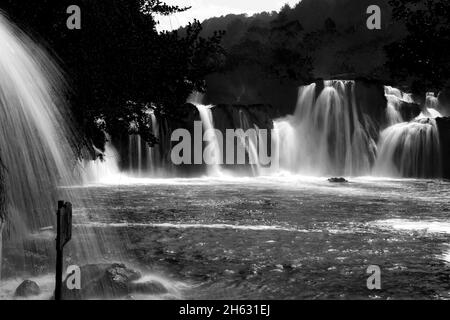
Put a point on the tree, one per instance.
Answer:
(422, 58)
(330, 25)
(277, 48)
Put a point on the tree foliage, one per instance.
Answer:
(422, 58)
(275, 47)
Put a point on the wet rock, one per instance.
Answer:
(27, 288)
(103, 281)
(409, 111)
(338, 180)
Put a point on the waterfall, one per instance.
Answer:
(35, 133)
(131, 157)
(431, 102)
(329, 134)
(410, 150)
(213, 151)
(36, 143)
(326, 135)
(103, 169)
(252, 146)
(135, 154)
(154, 157)
(394, 99)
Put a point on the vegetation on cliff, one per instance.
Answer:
(421, 59)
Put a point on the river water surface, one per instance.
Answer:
(281, 237)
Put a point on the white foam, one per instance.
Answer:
(194, 226)
(46, 283)
(428, 226)
(446, 256)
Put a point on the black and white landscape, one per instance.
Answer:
(226, 150)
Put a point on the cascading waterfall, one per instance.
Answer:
(35, 139)
(145, 161)
(410, 149)
(154, 156)
(394, 99)
(252, 145)
(326, 135)
(212, 151)
(431, 107)
(135, 154)
(105, 167)
(36, 142)
(431, 102)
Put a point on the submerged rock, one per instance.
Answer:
(338, 180)
(28, 288)
(110, 281)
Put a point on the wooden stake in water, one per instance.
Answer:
(63, 236)
(2, 224)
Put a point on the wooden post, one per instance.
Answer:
(2, 224)
(2, 213)
(63, 235)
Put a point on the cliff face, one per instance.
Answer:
(444, 102)
(235, 116)
(409, 111)
(444, 134)
(371, 102)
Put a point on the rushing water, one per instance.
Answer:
(410, 150)
(273, 237)
(37, 143)
(326, 135)
(212, 152)
(330, 133)
(285, 237)
(35, 136)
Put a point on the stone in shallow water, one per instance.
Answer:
(110, 281)
(27, 288)
(338, 180)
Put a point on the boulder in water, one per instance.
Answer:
(110, 281)
(27, 288)
(338, 180)
(102, 281)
